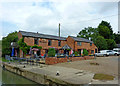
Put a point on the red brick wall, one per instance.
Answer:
(85, 45)
(29, 41)
(54, 60)
(19, 35)
(54, 43)
(70, 42)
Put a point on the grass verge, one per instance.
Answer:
(4, 60)
(100, 76)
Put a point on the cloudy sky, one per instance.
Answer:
(44, 16)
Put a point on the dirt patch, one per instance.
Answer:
(94, 63)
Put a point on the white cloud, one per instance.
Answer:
(44, 17)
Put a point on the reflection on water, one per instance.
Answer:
(11, 78)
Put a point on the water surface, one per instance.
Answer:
(7, 77)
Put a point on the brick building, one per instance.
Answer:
(61, 44)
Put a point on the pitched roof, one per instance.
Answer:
(39, 35)
(66, 47)
(81, 39)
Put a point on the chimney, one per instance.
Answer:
(59, 29)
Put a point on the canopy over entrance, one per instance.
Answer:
(35, 49)
(66, 47)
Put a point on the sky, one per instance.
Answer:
(45, 16)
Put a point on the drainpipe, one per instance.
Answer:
(74, 46)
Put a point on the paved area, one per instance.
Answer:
(78, 72)
(107, 65)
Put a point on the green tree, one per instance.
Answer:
(105, 25)
(111, 44)
(101, 43)
(104, 31)
(87, 33)
(23, 46)
(51, 52)
(6, 43)
(117, 38)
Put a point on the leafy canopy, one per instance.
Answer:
(6, 43)
(101, 43)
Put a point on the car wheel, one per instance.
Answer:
(115, 54)
(104, 55)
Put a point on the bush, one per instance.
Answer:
(85, 52)
(76, 53)
(36, 46)
(51, 52)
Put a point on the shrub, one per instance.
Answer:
(36, 46)
(85, 52)
(69, 49)
(51, 52)
(76, 53)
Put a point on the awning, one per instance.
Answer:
(35, 49)
(66, 47)
(54, 48)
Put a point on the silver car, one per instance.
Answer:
(111, 52)
(102, 53)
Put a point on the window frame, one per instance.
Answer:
(59, 41)
(91, 51)
(90, 44)
(79, 43)
(36, 41)
(50, 42)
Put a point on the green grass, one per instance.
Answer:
(100, 76)
(4, 60)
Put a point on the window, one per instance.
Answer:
(92, 51)
(49, 42)
(36, 41)
(79, 43)
(59, 43)
(90, 44)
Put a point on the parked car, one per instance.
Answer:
(102, 53)
(112, 52)
(117, 50)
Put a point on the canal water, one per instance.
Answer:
(7, 77)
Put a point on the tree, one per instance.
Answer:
(88, 33)
(101, 43)
(117, 38)
(6, 43)
(51, 52)
(23, 46)
(110, 44)
(104, 31)
(106, 24)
